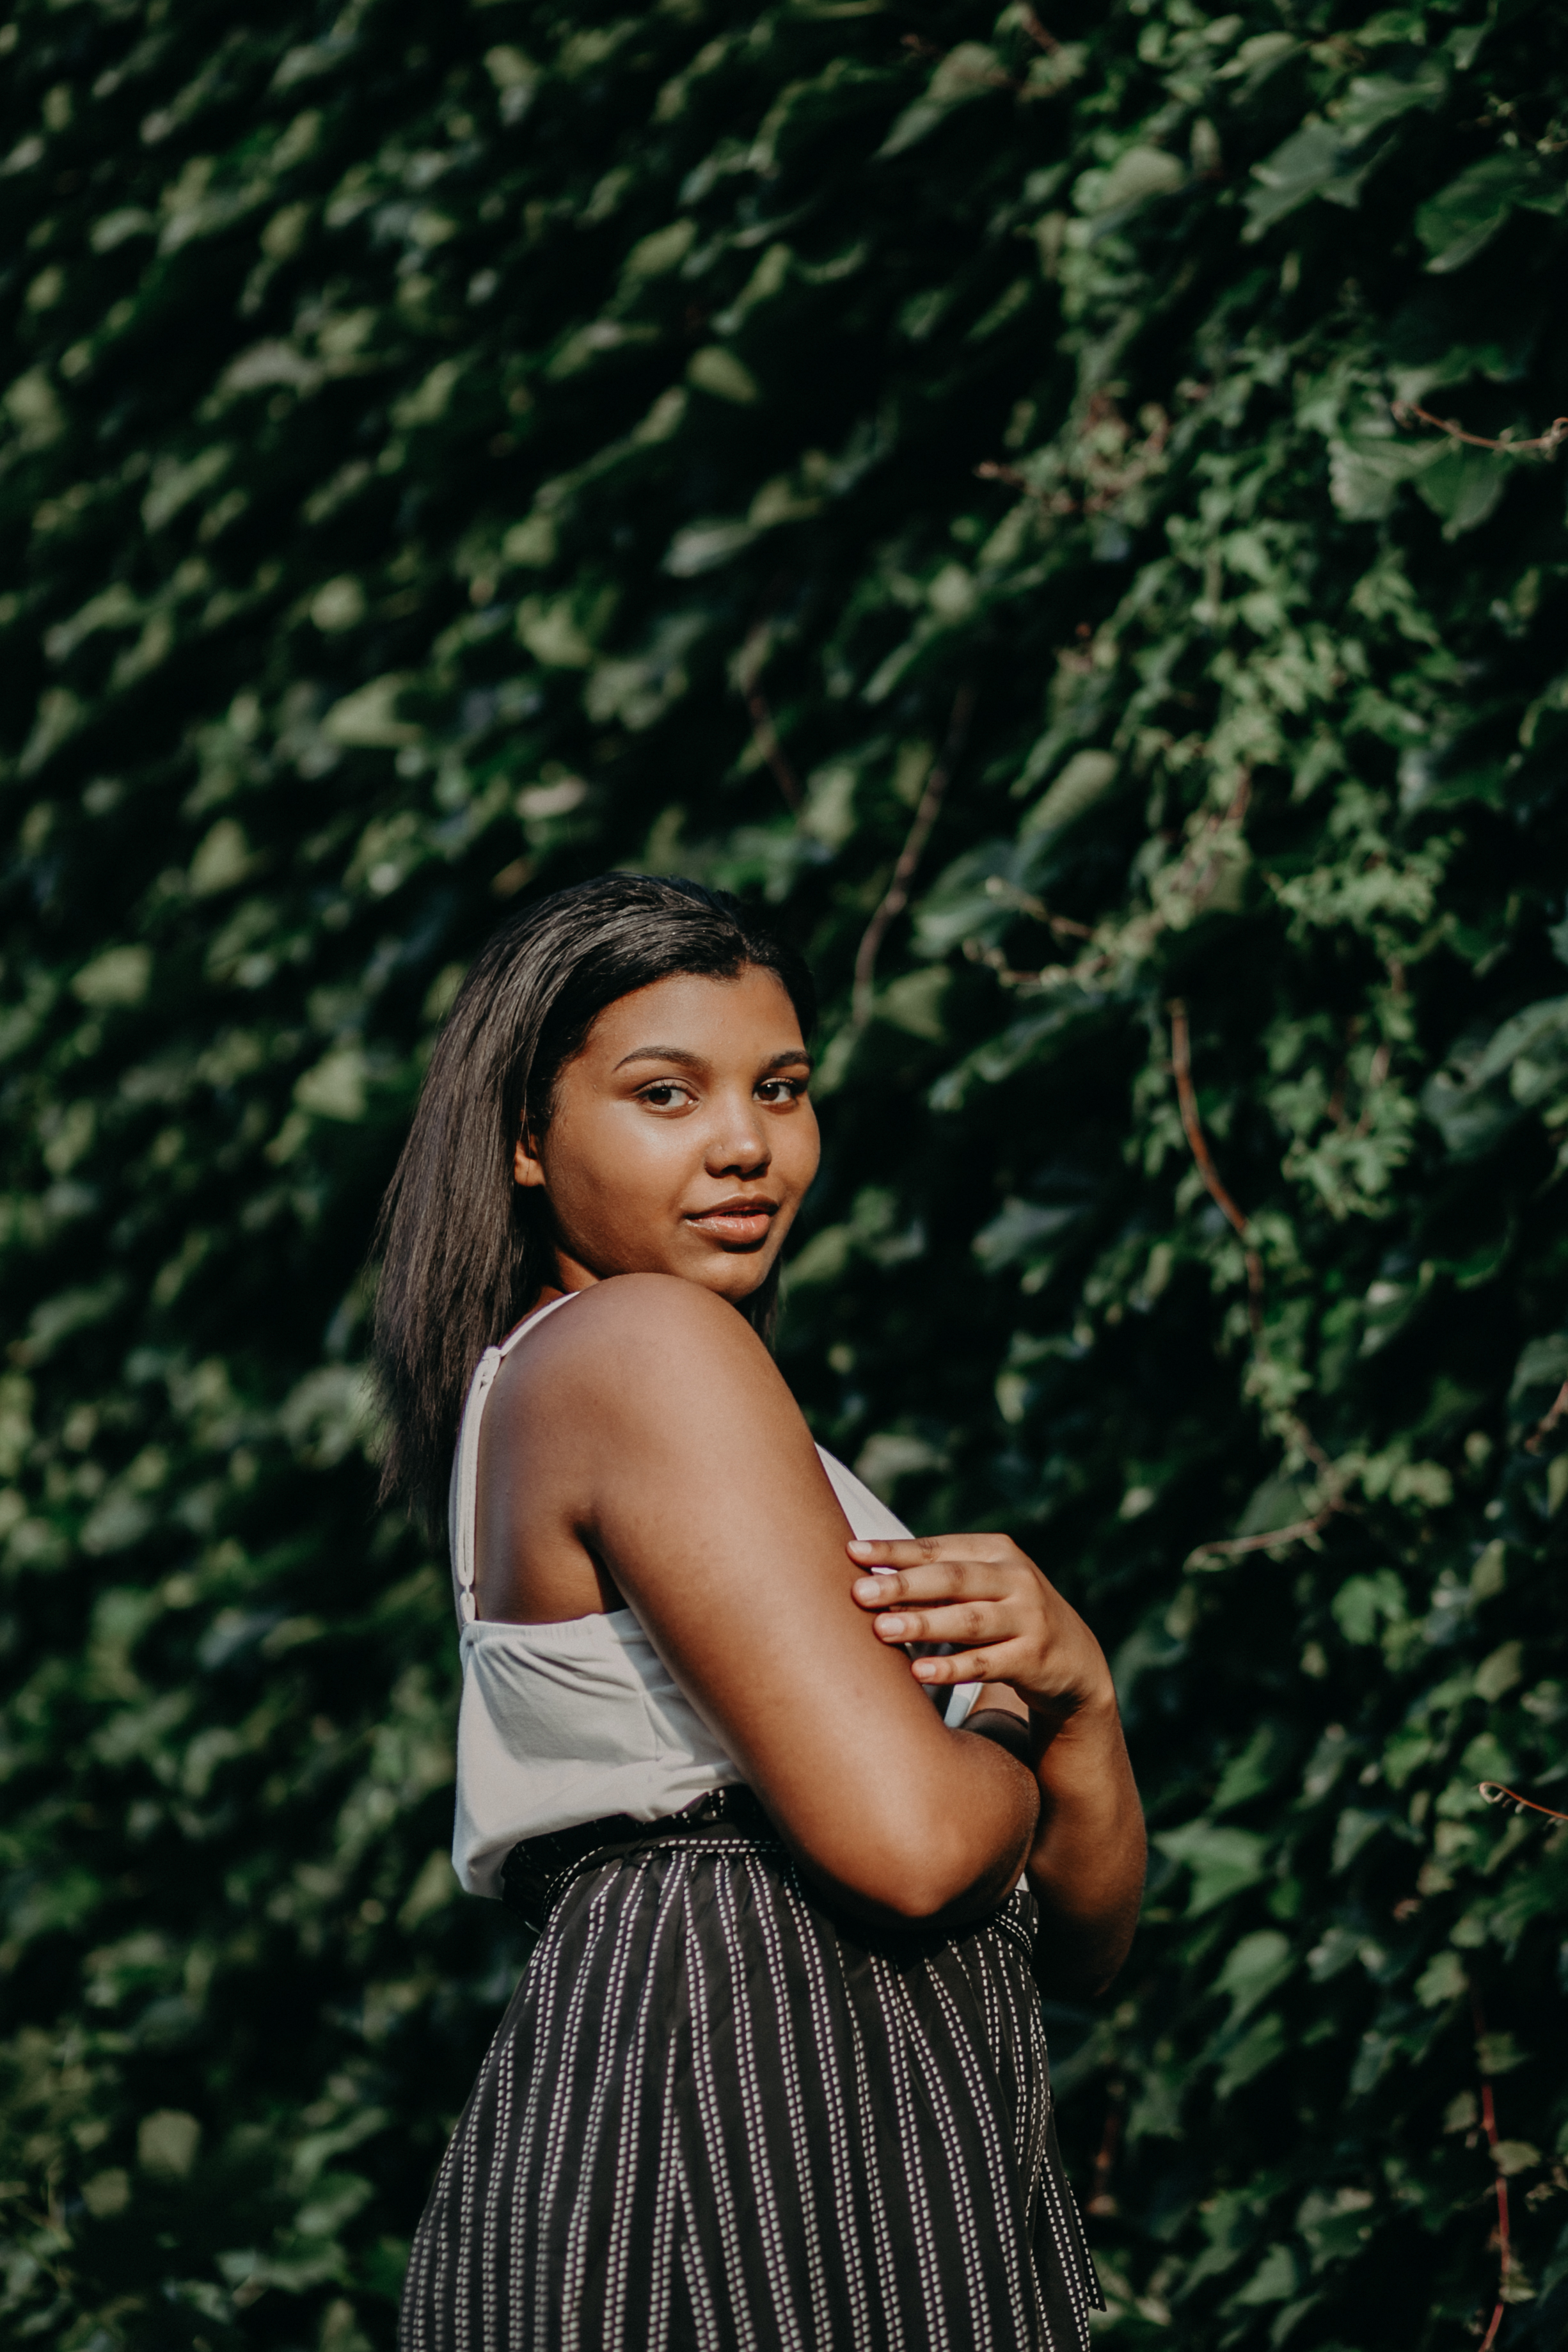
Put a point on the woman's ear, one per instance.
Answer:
(525, 1169)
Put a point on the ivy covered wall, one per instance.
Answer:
(995, 489)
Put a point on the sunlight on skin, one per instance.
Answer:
(682, 1138)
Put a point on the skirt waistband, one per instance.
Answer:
(537, 1871)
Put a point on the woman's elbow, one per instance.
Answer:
(914, 1851)
(922, 1879)
(1084, 1979)
(1079, 1959)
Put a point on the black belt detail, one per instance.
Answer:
(537, 1871)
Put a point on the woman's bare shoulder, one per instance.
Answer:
(637, 1341)
(633, 1307)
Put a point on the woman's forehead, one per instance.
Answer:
(685, 1008)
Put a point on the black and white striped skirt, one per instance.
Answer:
(718, 2118)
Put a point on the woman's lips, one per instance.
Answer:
(742, 1223)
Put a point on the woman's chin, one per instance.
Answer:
(734, 1273)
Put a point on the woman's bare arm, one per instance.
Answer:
(1086, 1865)
(1049, 1701)
(649, 1421)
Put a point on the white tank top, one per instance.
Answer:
(567, 1722)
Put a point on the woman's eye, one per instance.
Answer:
(663, 1095)
(776, 1090)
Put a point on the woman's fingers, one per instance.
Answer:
(922, 1551)
(940, 1568)
(988, 1665)
(953, 1582)
(920, 1588)
(982, 1598)
(986, 1601)
(967, 1621)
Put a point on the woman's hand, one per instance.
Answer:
(1006, 1622)
(1011, 1626)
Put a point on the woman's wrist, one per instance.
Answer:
(1066, 1742)
(1086, 1711)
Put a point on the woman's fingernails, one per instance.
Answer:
(892, 1627)
(867, 1588)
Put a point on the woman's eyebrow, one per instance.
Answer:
(688, 1061)
(663, 1053)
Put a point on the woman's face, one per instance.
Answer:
(682, 1139)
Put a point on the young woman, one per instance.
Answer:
(774, 2079)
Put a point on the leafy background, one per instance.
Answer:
(448, 452)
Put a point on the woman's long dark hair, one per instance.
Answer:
(465, 1251)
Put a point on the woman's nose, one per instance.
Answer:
(738, 1141)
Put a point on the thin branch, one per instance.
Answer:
(1300, 1530)
(995, 960)
(1548, 1422)
(1314, 1453)
(1103, 484)
(1054, 502)
(1199, 862)
(1375, 1078)
(896, 896)
(1335, 1112)
(1376, 1073)
(919, 48)
(1064, 928)
(1037, 32)
(1102, 2202)
(1235, 1546)
(1488, 2119)
(766, 737)
(988, 470)
(1545, 445)
(1496, 1794)
(1196, 875)
(1192, 1127)
(764, 734)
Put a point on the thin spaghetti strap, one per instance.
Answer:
(463, 1499)
(505, 1347)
